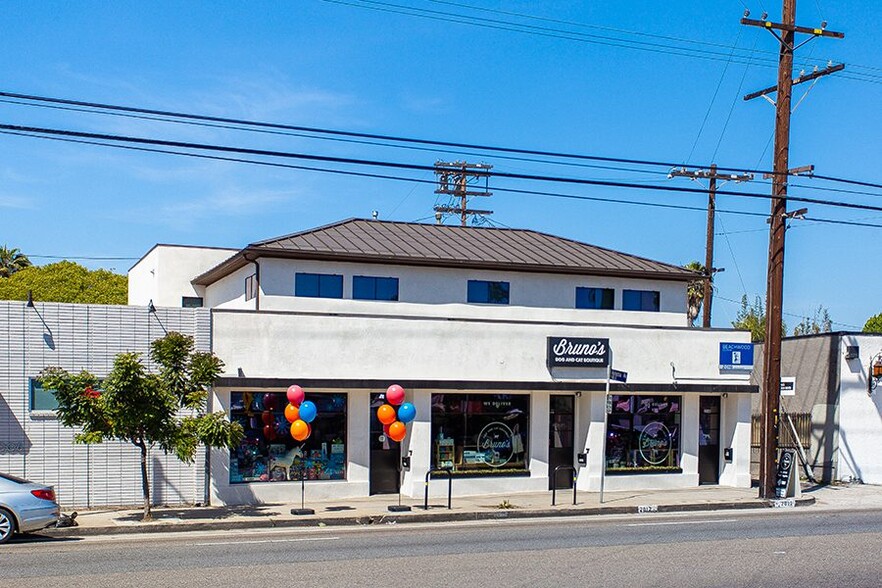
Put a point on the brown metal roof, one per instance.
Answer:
(374, 241)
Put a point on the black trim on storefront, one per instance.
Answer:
(614, 387)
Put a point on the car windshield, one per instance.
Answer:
(12, 478)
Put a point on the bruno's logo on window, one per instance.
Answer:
(577, 352)
(496, 444)
(655, 443)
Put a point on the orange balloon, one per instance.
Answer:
(300, 430)
(397, 431)
(386, 414)
(292, 413)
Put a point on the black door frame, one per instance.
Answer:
(560, 456)
(385, 456)
(709, 457)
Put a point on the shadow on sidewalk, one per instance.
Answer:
(197, 513)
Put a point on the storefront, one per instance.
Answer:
(526, 355)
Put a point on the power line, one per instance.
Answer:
(341, 133)
(799, 316)
(395, 178)
(557, 33)
(84, 257)
(337, 139)
(413, 167)
(96, 106)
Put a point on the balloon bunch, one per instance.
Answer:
(395, 421)
(300, 412)
(269, 421)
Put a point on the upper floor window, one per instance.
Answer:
(373, 288)
(251, 286)
(601, 298)
(42, 398)
(318, 285)
(641, 300)
(484, 292)
(195, 301)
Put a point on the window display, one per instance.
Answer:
(268, 453)
(643, 435)
(480, 434)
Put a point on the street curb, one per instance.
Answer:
(415, 517)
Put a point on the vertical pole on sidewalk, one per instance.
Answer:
(302, 485)
(605, 419)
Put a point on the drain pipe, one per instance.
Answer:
(256, 280)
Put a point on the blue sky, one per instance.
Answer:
(341, 66)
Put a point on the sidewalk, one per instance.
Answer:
(375, 509)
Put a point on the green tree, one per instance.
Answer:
(164, 410)
(753, 318)
(874, 324)
(65, 281)
(819, 323)
(11, 261)
(694, 292)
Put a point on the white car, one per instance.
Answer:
(25, 506)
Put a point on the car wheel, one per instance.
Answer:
(7, 525)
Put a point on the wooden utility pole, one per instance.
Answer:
(453, 179)
(712, 175)
(779, 215)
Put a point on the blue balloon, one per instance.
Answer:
(308, 411)
(406, 412)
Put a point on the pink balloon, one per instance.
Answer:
(296, 395)
(395, 394)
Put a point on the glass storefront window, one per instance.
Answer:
(268, 453)
(481, 434)
(643, 435)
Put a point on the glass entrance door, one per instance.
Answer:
(560, 441)
(385, 477)
(709, 440)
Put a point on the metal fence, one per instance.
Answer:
(802, 421)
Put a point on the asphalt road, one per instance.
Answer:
(768, 548)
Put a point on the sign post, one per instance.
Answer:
(607, 411)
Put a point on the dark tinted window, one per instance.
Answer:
(192, 301)
(41, 398)
(318, 285)
(373, 288)
(602, 298)
(647, 300)
(484, 292)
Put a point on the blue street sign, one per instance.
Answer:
(618, 376)
(736, 356)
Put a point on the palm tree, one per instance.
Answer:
(694, 292)
(12, 260)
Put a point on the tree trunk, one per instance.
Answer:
(145, 482)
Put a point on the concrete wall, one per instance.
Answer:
(34, 445)
(815, 362)
(390, 347)
(163, 275)
(442, 286)
(859, 455)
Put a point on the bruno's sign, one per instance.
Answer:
(578, 352)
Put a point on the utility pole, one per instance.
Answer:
(453, 179)
(712, 175)
(785, 32)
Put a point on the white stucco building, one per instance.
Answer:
(832, 384)
(469, 321)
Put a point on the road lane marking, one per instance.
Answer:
(681, 523)
(294, 540)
